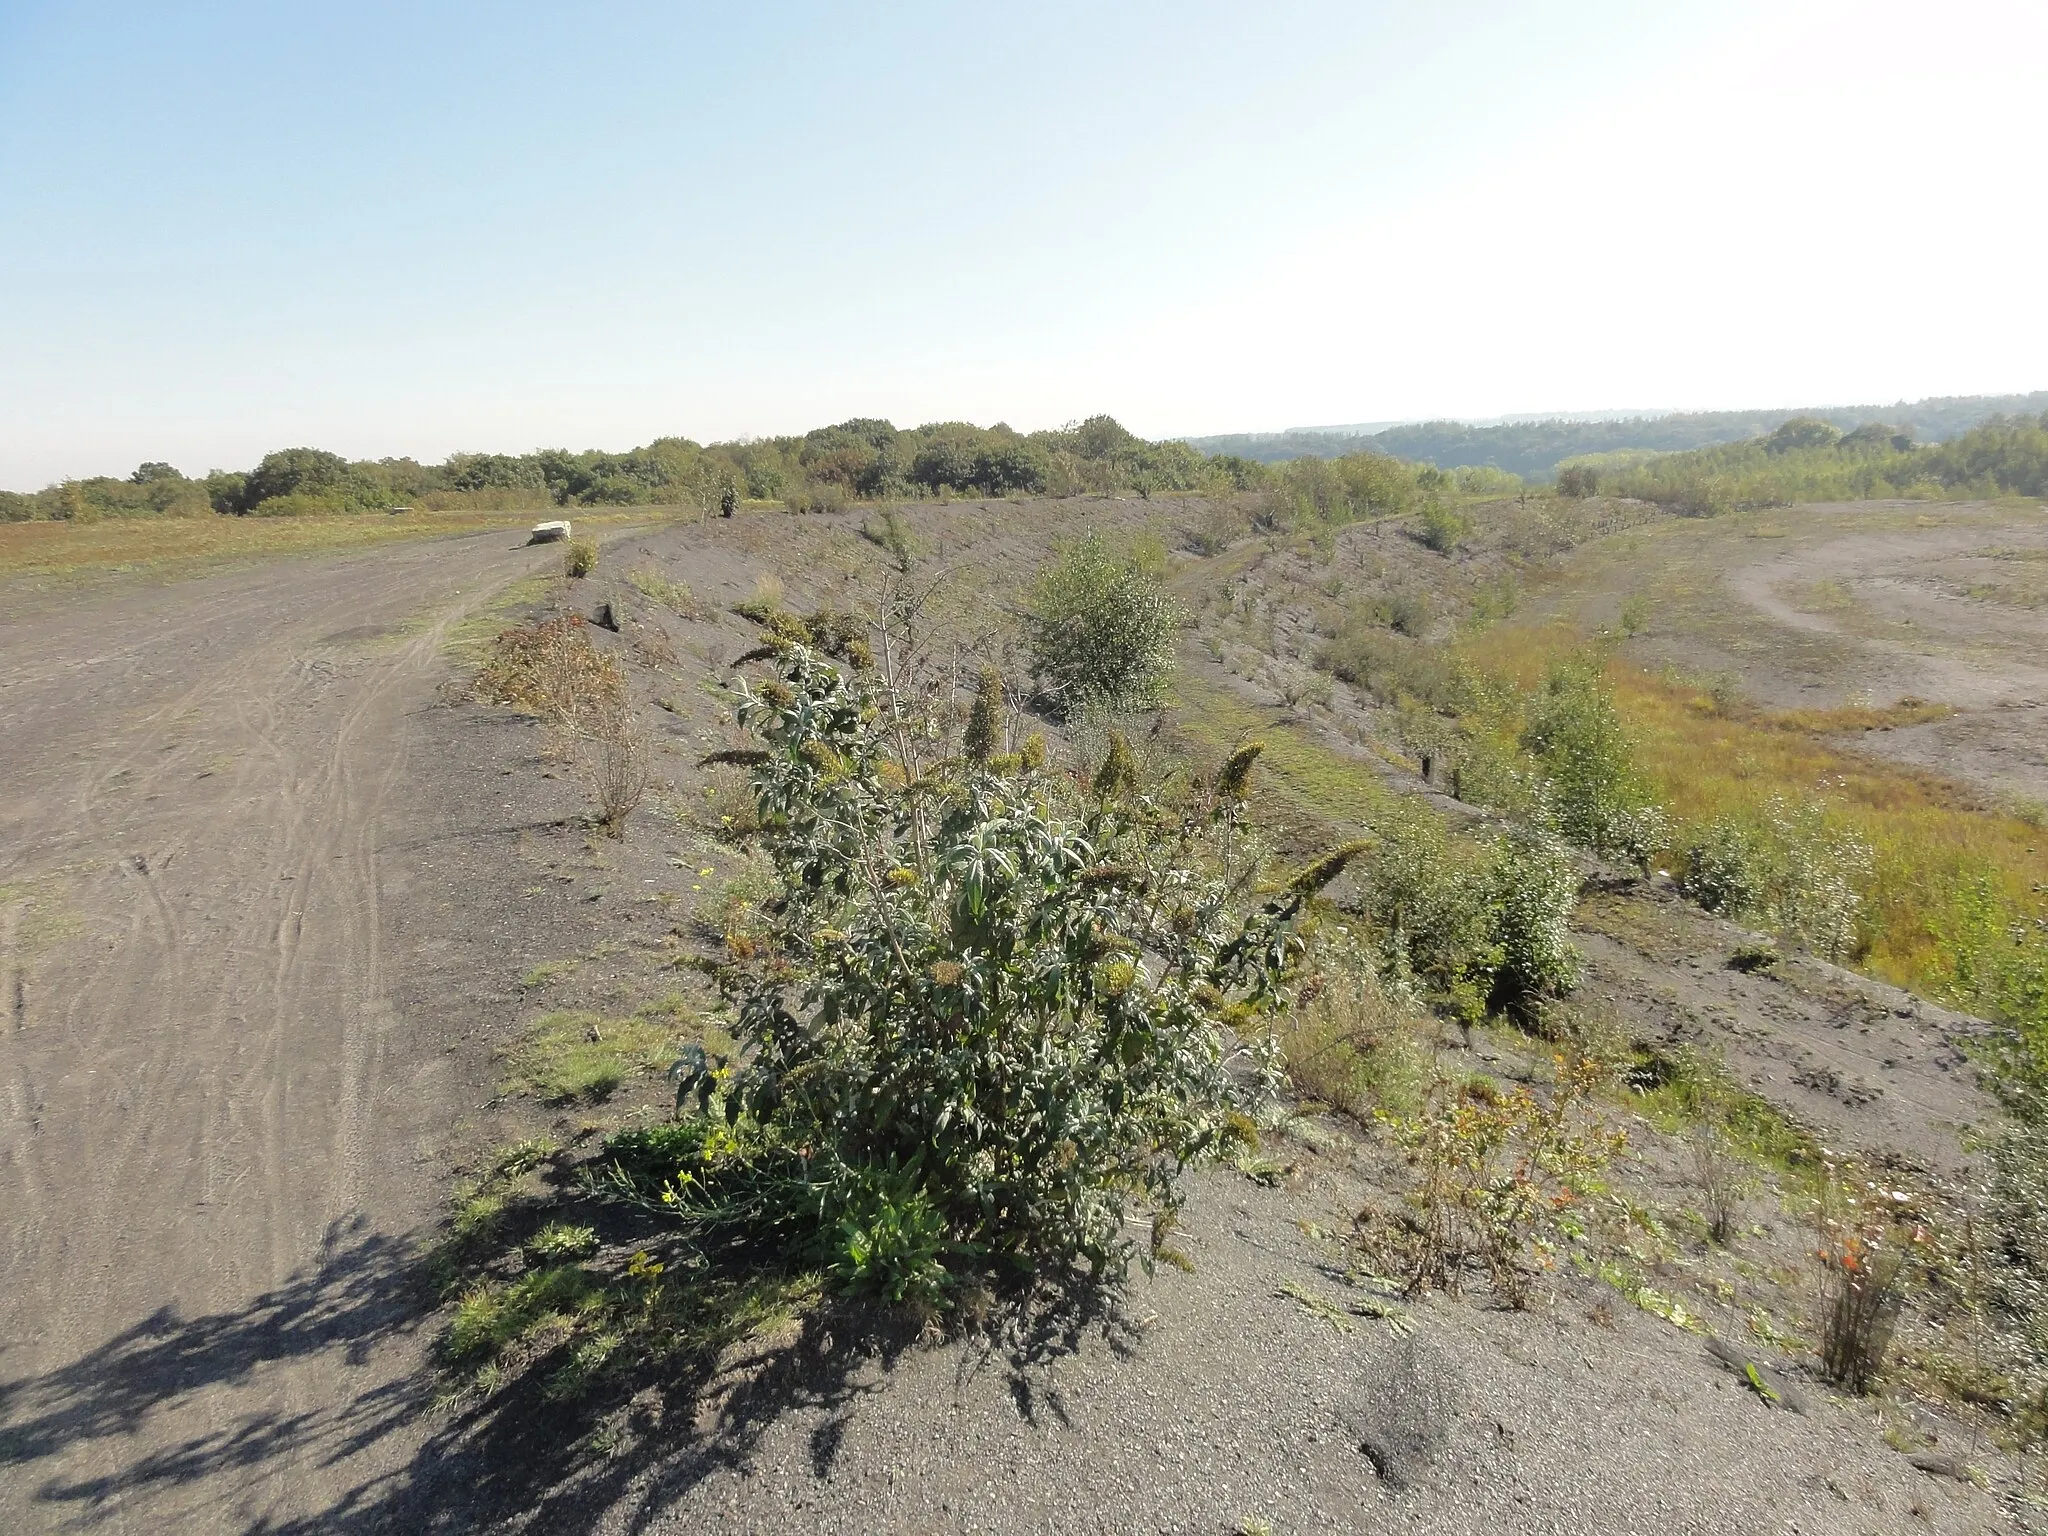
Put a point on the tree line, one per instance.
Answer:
(1534, 449)
(1810, 459)
(861, 459)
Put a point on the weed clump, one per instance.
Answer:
(579, 558)
(614, 754)
(1495, 1170)
(657, 586)
(552, 670)
(1865, 1240)
(1352, 1044)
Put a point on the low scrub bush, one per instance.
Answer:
(1391, 666)
(552, 670)
(579, 558)
(1578, 481)
(1221, 525)
(992, 1014)
(1442, 528)
(1784, 869)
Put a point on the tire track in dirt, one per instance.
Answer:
(190, 1127)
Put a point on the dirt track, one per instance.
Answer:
(217, 1120)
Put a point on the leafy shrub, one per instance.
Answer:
(1313, 492)
(1475, 922)
(1101, 631)
(1578, 481)
(1427, 898)
(990, 1015)
(579, 558)
(1535, 888)
(1787, 870)
(1597, 796)
(1441, 528)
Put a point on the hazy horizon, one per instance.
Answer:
(405, 232)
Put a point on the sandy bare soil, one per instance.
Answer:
(1871, 602)
(237, 988)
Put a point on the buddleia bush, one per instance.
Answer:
(998, 1010)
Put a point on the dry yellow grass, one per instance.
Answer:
(48, 551)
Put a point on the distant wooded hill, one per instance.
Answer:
(1533, 449)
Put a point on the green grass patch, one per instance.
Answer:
(1684, 1089)
(470, 640)
(1309, 782)
(574, 1055)
(551, 972)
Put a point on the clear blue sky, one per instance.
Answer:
(427, 227)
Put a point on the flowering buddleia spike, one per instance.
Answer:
(1235, 778)
(1031, 755)
(985, 719)
(737, 757)
(1119, 771)
(1325, 869)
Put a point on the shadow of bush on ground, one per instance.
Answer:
(533, 1436)
(641, 1435)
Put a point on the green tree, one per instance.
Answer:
(1596, 795)
(1101, 631)
(1803, 432)
(296, 472)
